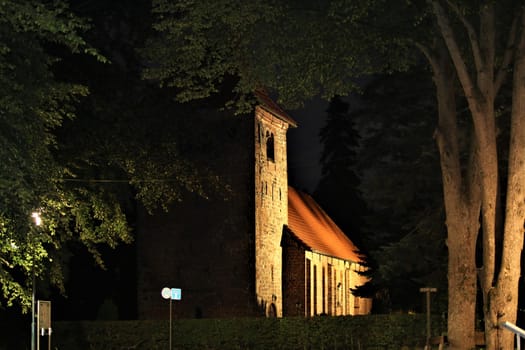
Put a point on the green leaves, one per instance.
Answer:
(34, 36)
(298, 49)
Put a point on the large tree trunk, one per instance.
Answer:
(480, 85)
(481, 81)
(505, 296)
(462, 203)
(461, 281)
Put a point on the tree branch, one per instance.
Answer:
(454, 51)
(474, 40)
(503, 70)
(6, 263)
(428, 54)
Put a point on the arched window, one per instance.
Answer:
(270, 151)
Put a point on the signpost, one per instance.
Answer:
(428, 290)
(43, 322)
(171, 294)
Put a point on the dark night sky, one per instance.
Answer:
(304, 148)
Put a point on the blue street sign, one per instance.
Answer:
(171, 293)
(176, 294)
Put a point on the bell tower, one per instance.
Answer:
(271, 201)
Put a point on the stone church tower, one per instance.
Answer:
(223, 251)
(271, 202)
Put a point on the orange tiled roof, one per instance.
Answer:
(267, 103)
(309, 223)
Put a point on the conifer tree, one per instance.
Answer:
(402, 188)
(338, 190)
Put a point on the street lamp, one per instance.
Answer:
(36, 217)
(38, 221)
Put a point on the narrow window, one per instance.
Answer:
(347, 292)
(315, 290)
(323, 288)
(330, 291)
(341, 296)
(308, 287)
(270, 151)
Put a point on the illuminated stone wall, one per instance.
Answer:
(331, 293)
(271, 208)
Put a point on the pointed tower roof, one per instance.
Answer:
(268, 104)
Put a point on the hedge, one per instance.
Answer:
(396, 331)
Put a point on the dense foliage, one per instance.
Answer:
(401, 184)
(299, 49)
(357, 332)
(83, 138)
(34, 103)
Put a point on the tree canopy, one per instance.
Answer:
(33, 104)
(83, 137)
(299, 49)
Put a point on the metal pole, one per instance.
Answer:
(38, 335)
(428, 290)
(38, 221)
(33, 311)
(428, 319)
(171, 302)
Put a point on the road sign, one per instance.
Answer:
(176, 293)
(44, 314)
(171, 293)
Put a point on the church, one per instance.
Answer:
(258, 247)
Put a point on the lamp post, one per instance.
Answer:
(38, 221)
